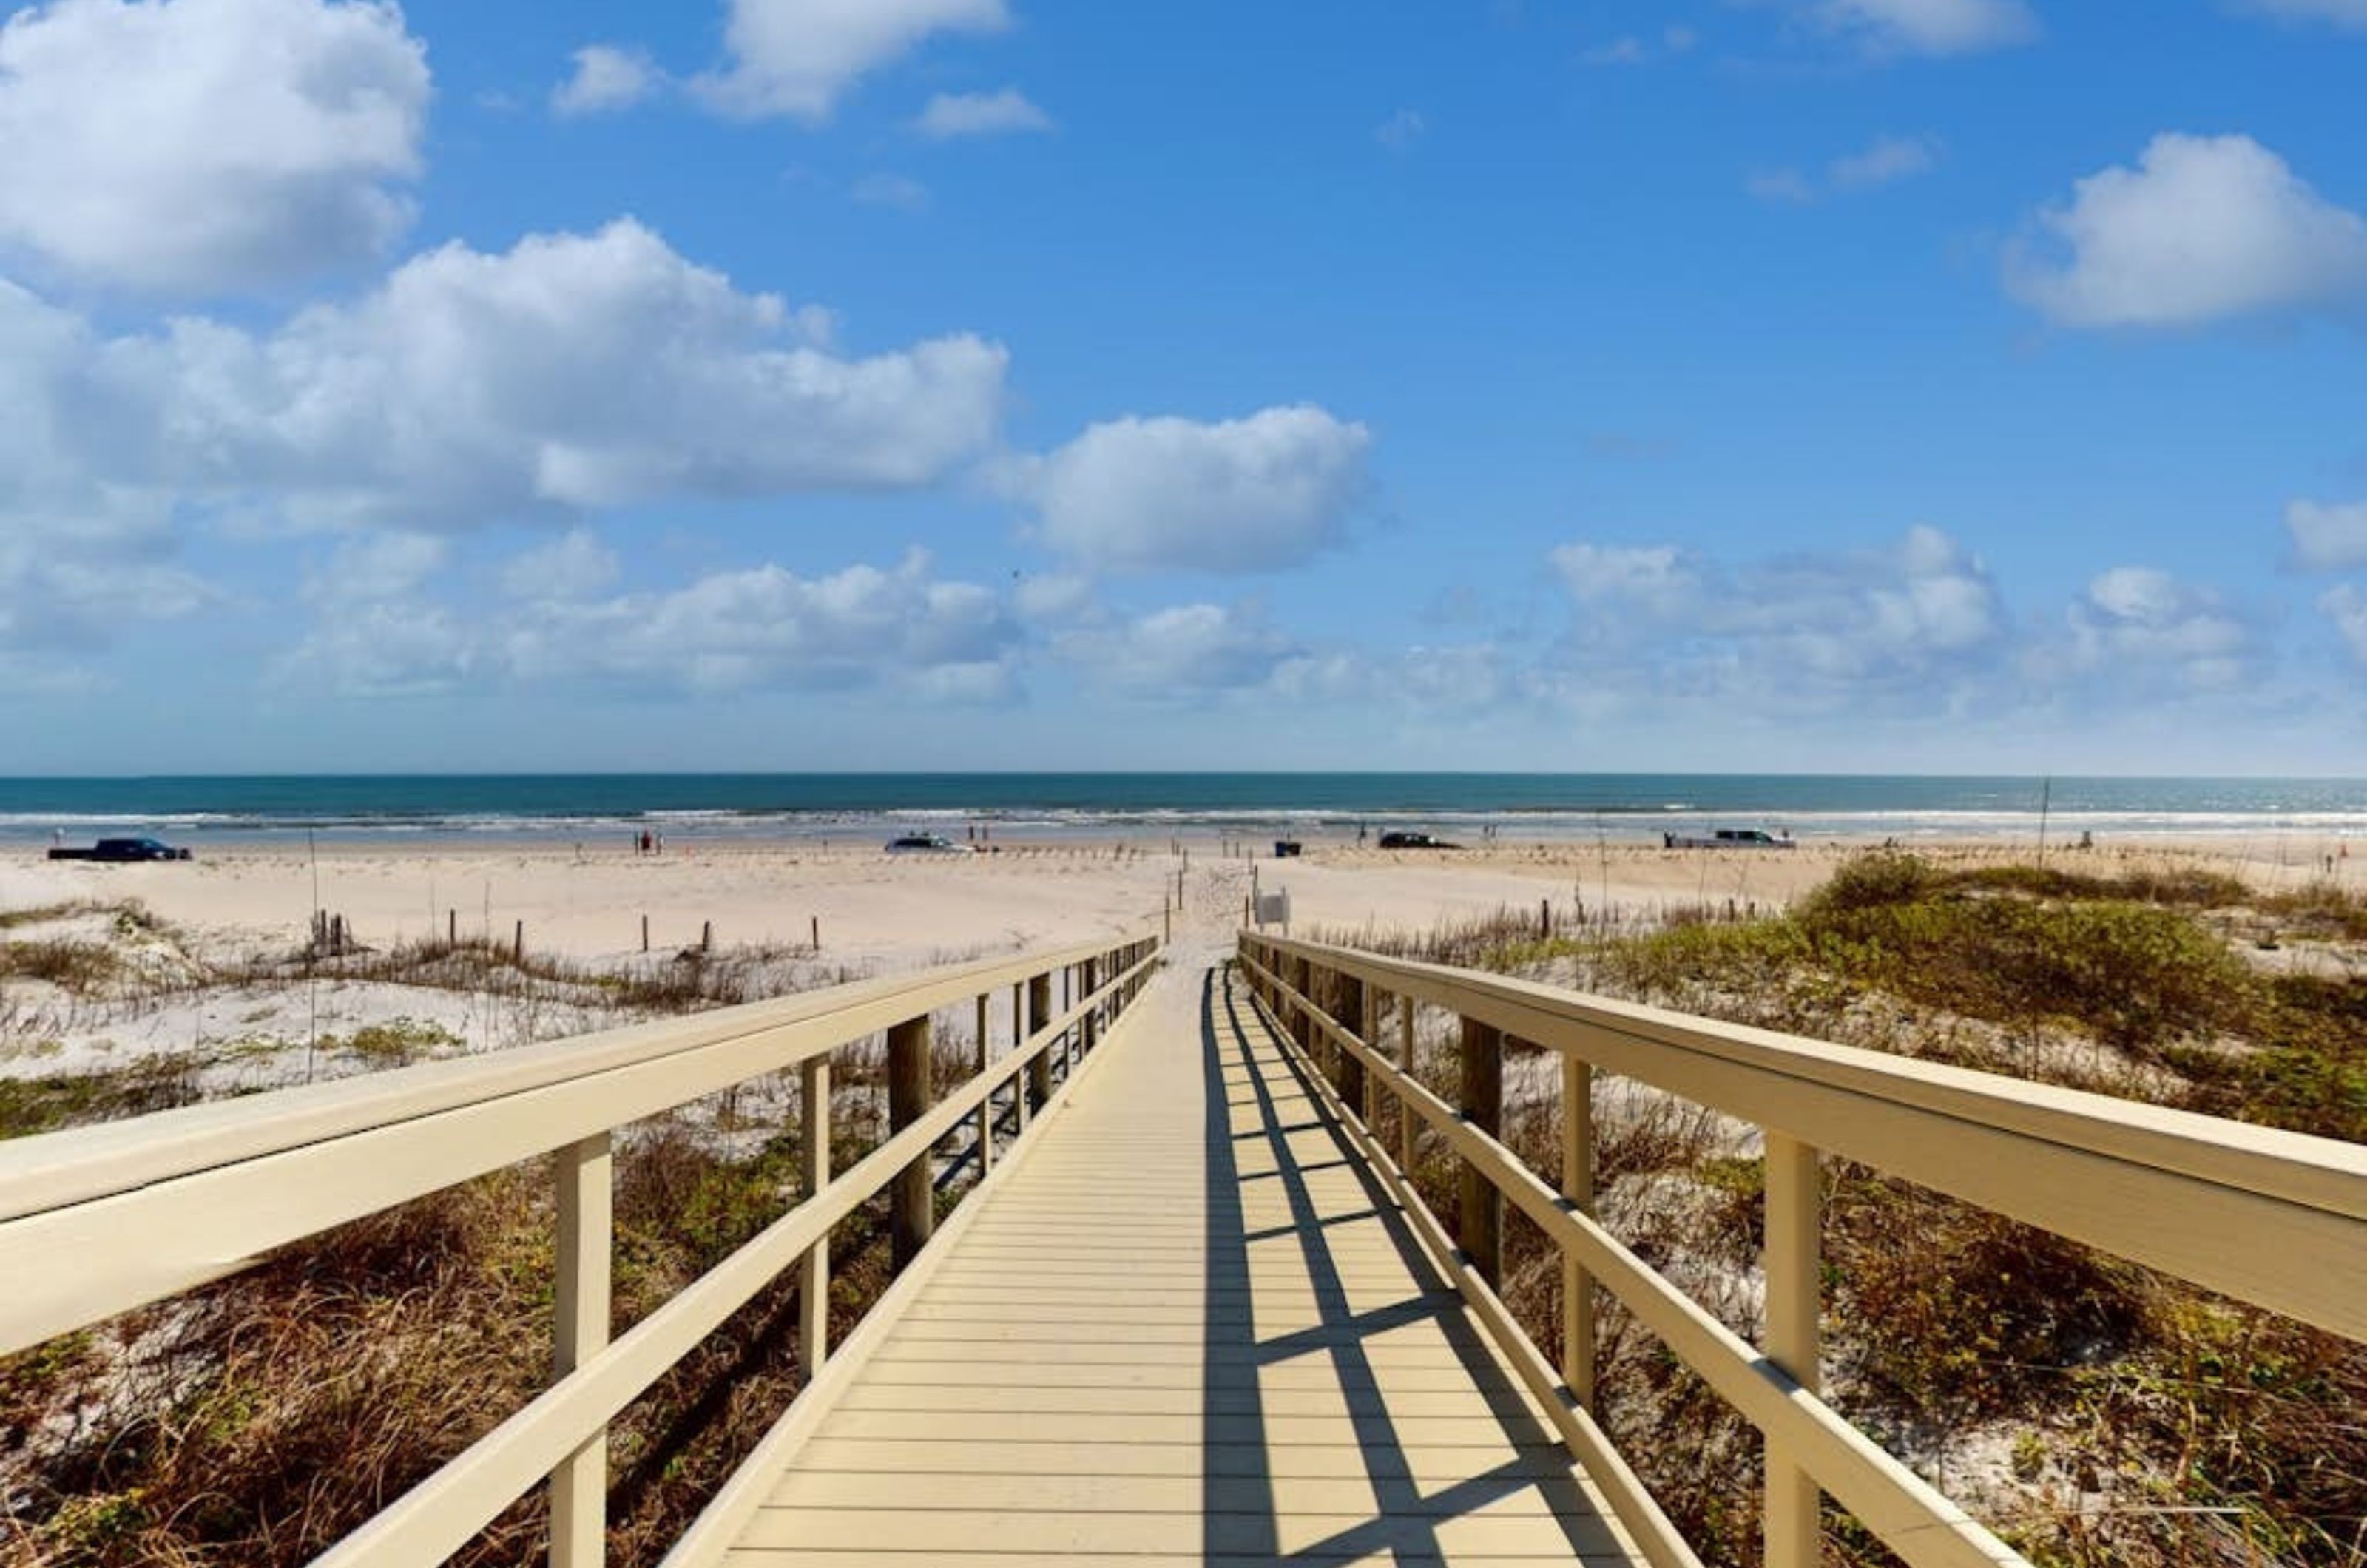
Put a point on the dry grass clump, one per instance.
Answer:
(262, 1419)
(2093, 1411)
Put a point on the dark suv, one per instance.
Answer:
(120, 850)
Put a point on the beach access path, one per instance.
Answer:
(1190, 1329)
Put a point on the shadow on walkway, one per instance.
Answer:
(1323, 1227)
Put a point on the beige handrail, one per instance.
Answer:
(2279, 1219)
(98, 1219)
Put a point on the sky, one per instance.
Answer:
(841, 385)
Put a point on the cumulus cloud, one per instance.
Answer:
(1183, 651)
(2347, 608)
(797, 58)
(2327, 536)
(606, 79)
(2134, 618)
(761, 627)
(568, 374)
(371, 569)
(193, 146)
(951, 115)
(574, 566)
(1166, 493)
(1793, 632)
(2204, 228)
(1930, 26)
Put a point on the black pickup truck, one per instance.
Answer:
(120, 850)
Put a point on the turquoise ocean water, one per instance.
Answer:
(1021, 806)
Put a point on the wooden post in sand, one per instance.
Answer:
(911, 1212)
(645, 933)
(817, 933)
(707, 936)
(518, 945)
(451, 928)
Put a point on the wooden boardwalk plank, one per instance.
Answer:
(1188, 1330)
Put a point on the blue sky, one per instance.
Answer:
(1851, 385)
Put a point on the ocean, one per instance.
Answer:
(1038, 806)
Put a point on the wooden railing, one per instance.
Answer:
(97, 1220)
(2274, 1218)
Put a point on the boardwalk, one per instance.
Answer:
(1188, 1330)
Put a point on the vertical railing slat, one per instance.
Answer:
(813, 1174)
(579, 1487)
(1578, 1186)
(1794, 1268)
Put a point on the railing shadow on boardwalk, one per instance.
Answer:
(1238, 1494)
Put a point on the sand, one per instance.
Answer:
(874, 912)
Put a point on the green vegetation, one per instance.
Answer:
(395, 1043)
(2145, 1423)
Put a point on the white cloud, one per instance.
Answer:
(2131, 618)
(207, 145)
(1239, 495)
(1930, 26)
(1632, 49)
(1885, 160)
(2347, 608)
(1401, 130)
(569, 373)
(797, 57)
(371, 569)
(1184, 651)
(762, 627)
(607, 79)
(2341, 13)
(951, 115)
(1781, 186)
(2328, 536)
(2204, 228)
(574, 566)
(1796, 632)
(1655, 575)
(900, 193)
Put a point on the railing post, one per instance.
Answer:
(1792, 1267)
(1578, 1186)
(1481, 1233)
(1039, 1011)
(985, 1106)
(813, 1175)
(1019, 1041)
(1348, 1007)
(910, 1213)
(1092, 1033)
(1407, 1120)
(579, 1487)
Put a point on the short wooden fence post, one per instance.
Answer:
(579, 1487)
(813, 1175)
(1481, 1232)
(1794, 1272)
(911, 1212)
